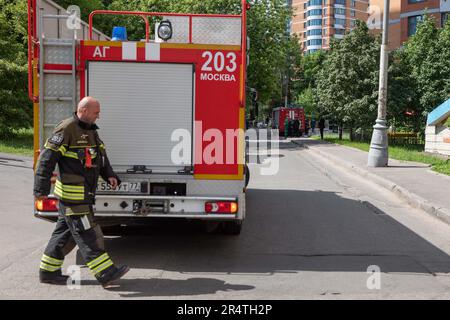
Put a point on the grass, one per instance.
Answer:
(21, 143)
(413, 153)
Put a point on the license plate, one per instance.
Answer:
(131, 187)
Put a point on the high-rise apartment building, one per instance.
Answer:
(317, 21)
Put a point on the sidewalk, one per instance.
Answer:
(414, 182)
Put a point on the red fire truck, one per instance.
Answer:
(279, 116)
(173, 110)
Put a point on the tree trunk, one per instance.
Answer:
(351, 133)
(340, 131)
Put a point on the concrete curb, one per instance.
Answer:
(411, 198)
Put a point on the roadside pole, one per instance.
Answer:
(378, 153)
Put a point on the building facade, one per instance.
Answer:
(405, 15)
(317, 21)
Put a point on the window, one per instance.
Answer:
(315, 22)
(342, 2)
(304, 34)
(416, 1)
(305, 5)
(445, 18)
(315, 32)
(315, 42)
(352, 13)
(315, 12)
(340, 22)
(352, 23)
(305, 14)
(325, 32)
(304, 24)
(339, 31)
(325, 11)
(353, 4)
(412, 24)
(324, 42)
(340, 11)
(314, 2)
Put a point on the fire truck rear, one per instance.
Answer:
(173, 110)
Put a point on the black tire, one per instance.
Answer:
(212, 227)
(232, 227)
(113, 230)
(247, 175)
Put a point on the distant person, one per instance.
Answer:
(321, 127)
(296, 126)
(307, 127)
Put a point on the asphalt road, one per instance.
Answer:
(312, 232)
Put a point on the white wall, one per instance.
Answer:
(435, 136)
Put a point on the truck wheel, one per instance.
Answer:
(247, 175)
(232, 227)
(212, 227)
(112, 230)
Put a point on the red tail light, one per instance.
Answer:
(47, 205)
(221, 207)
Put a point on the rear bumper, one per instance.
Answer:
(123, 207)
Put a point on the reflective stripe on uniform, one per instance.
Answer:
(103, 267)
(100, 264)
(53, 261)
(61, 149)
(69, 192)
(68, 196)
(50, 264)
(48, 267)
(68, 187)
(70, 154)
(97, 260)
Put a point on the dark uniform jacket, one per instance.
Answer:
(81, 157)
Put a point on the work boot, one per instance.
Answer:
(53, 278)
(113, 274)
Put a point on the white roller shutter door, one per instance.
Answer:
(142, 104)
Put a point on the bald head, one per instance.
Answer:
(88, 110)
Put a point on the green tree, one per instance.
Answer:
(403, 109)
(427, 55)
(310, 66)
(86, 6)
(307, 100)
(15, 107)
(347, 85)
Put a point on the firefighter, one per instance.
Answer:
(81, 157)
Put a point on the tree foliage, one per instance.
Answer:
(310, 66)
(428, 54)
(347, 84)
(15, 108)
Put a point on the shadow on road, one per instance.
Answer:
(142, 288)
(286, 231)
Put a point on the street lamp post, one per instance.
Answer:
(378, 154)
